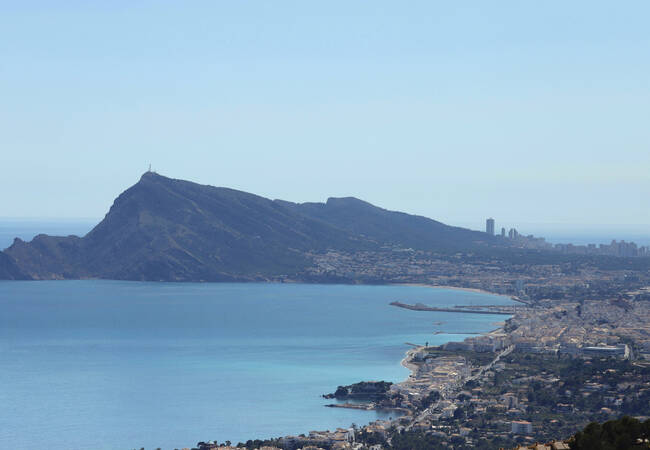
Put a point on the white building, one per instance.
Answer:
(521, 427)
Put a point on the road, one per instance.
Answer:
(427, 412)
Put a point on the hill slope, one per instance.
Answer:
(361, 218)
(174, 230)
(9, 270)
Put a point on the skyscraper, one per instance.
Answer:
(489, 226)
(503, 232)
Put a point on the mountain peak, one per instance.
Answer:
(169, 229)
(151, 175)
(346, 201)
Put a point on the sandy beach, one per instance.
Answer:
(456, 288)
(408, 357)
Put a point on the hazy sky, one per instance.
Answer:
(524, 111)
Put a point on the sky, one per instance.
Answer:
(528, 112)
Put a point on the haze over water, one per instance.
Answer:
(109, 364)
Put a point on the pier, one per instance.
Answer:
(490, 309)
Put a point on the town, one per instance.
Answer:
(576, 349)
(499, 391)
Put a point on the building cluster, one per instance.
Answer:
(341, 438)
(517, 239)
(510, 386)
(616, 328)
(413, 266)
(491, 389)
(516, 398)
(528, 280)
(621, 248)
(492, 342)
(552, 445)
(441, 374)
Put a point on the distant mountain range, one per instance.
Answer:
(162, 229)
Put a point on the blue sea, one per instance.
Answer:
(122, 365)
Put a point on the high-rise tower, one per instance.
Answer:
(489, 226)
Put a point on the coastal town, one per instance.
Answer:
(575, 349)
(553, 367)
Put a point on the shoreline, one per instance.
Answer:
(513, 298)
(410, 353)
(407, 360)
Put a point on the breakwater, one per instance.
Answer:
(493, 309)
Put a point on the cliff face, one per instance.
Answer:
(174, 230)
(48, 257)
(9, 270)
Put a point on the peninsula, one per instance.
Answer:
(576, 348)
(163, 229)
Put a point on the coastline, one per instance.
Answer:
(457, 288)
(410, 354)
(407, 360)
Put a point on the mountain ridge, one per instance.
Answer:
(165, 229)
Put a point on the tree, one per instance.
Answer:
(622, 434)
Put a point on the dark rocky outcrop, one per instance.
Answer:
(365, 390)
(175, 230)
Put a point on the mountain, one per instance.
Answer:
(9, 270)
(391, 227)
(175, 230)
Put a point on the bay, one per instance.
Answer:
(112, 364)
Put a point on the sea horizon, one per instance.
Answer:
(577, 234)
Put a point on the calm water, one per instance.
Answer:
(104, 364)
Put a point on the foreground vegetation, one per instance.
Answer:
(622, 434)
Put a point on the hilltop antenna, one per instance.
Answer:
(149, 167)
